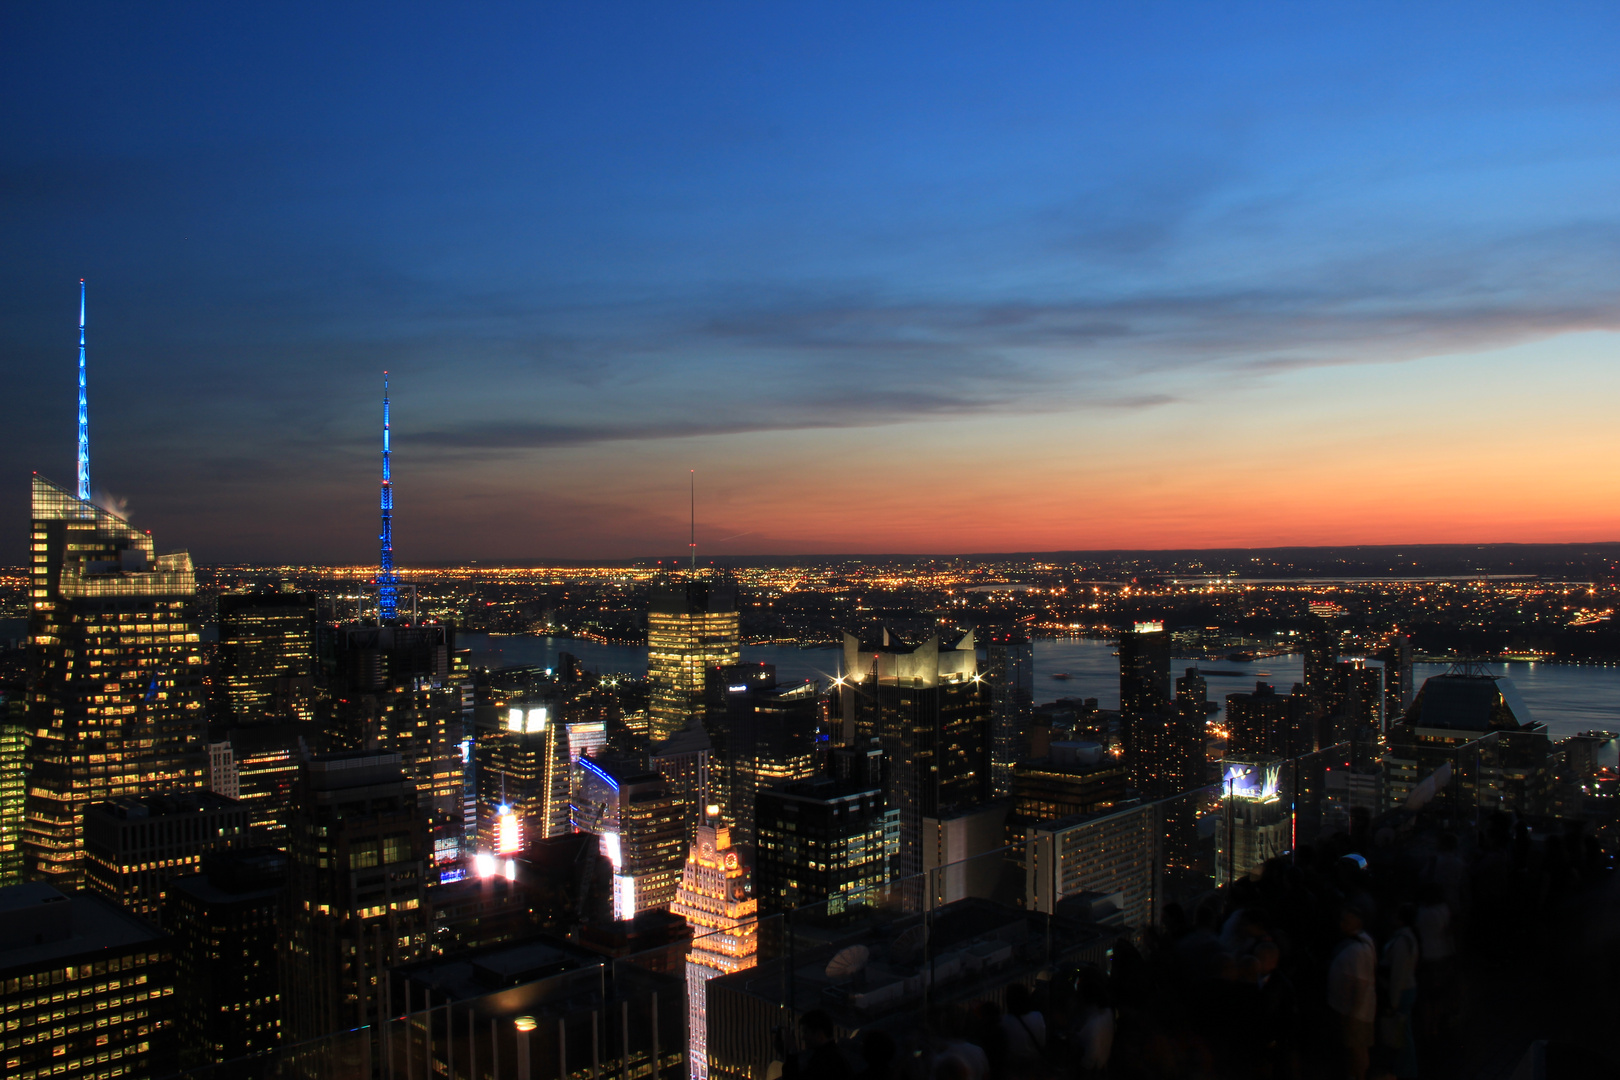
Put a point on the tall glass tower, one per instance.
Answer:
(115, 678)
(692, 628)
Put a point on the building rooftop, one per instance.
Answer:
(39, 924)
(1469, 701)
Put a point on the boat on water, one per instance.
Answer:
(1239, 657)
(1061, 675)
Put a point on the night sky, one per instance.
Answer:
(926, 278)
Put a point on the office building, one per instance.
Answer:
(714, 899)
(86, 989)
(1165, 749)
(1266, 722)
(258, 766)
(1112, 852)
(116, 695)
(964, 852)
(928, 709)
(133, 846)
(1009, 669)
(642, 830)
(227, 954)
(1479, 729)
(1255, 823)
(1074, 778)
(822, 842)
(683, 761)
(770, 736)
(542, 1009)
(692, 628)
(399, 689)
(356, 900)
(13, 789)
(523, 785)
(267, 655)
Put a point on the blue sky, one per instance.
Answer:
(925, 277)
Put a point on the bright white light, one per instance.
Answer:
(514, 720)
(610, 848)
(508, 833)
(624, 897)
(484, 863)
(510, 870)
(537, 720)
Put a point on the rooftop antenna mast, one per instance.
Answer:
(692, 539)
(84, 410)
(387, 593)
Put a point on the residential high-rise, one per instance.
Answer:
(1322, 643)
(1165, 747)
(227, 954)
(133, 846)
(1266, 722)
(115, 689)
(88, 988)
(1394, 651)
(1144, 672)
(1009, 669)
(714, 900)
(356, 899)
(770, 734)
(1355, 698)
(824, 842)
(929, 710)
(692, 628)
(267, 655)
(641, 827)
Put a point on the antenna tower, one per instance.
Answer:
(692, 538)
(84, 410)
(387, 592)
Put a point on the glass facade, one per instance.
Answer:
(115, 682)
(267, 655)
(692, 627)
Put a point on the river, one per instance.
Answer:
(1566, 697)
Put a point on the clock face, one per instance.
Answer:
(708, 848)
(731, 861)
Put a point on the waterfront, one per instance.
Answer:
(1566, 697)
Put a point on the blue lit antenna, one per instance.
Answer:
(387, 593)
(84, 410)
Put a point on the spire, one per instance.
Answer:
(692, 539)
(84, 410)
(387, 594)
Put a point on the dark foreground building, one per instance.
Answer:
(86, 990)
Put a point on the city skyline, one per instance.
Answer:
(1088, 280)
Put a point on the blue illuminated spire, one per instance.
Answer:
(387, 592)
(84, 410)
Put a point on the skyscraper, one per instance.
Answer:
(692, 628)
(824, 842)
(522, 775)
(115, 697)
(1009, 669)
(641, 828)
(134, 846)
(714, 899)
(929, 710)
(1144, 671)
(770, 734)
(356, 900)
(13, 772)
(267, 655)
